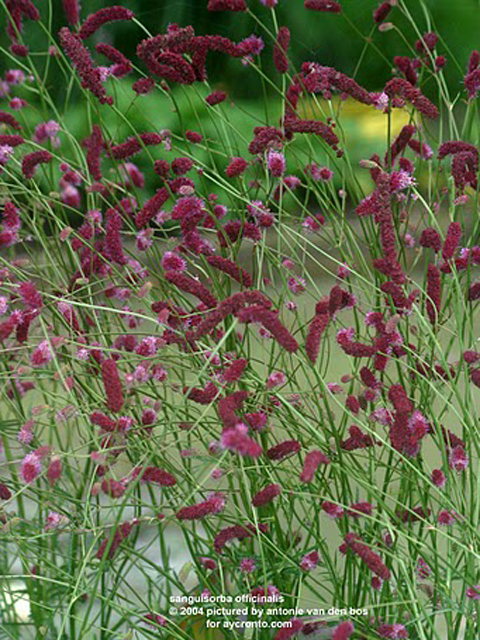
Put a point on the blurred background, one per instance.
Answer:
(334, 40)
(350, 42)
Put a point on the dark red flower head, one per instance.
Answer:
(323, 5)
(71, 9)
(112, 384)
(101, 17)
(280, 49)
(226, 5)
(81, 60)
(381, 12)
(32, 160)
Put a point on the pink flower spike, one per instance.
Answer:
(343, 631)
(289, 630)
(296, 285)
(112, 384)
(438, 478)
(458, 459)
(313, 460)
(247, 565)
(171, 261)
(216, 97)
(5, 493)
(309, 561)
(332, 510)
(80, 57)
(473, 593)
(55, 520)
(446, 518)
(280, 58)
(452, 240)
(367, 555)
(392, 631)
(155, 475)
(101, 17)
(323, 5)
(266, 495)
(214, 504)
(276, 163)
(283, 449)
(235, 370)
(32, 160)
(54, 471)
(71, 8)
(25, 435)
(226, 5)
(30, 468)
(276, 379)
(237, 439)
(42, 354)
(236, 167)
(381, 12)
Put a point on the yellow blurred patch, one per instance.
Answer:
(371, 123)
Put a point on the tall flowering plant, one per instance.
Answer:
(235, 334)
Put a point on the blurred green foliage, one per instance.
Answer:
(334, 40)
(349, 42)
